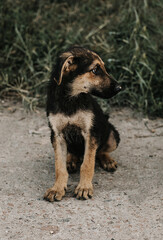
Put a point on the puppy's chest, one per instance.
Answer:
(81, 119)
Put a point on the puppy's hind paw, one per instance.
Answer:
(71, 163)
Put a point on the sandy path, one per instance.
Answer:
(126, 205)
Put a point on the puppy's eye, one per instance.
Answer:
(94, 71)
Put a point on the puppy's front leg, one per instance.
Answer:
(85, 188)
(61, 174)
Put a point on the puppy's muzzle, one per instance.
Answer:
(117, 89)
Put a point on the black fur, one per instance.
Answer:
(75, 140)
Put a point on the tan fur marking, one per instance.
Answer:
(65, 68)
(101, 63)
(95, 54)
(106, 161)
(80, 84)
(103, 155)
(84, 82)
(85, 187)
(112, 143)
(95, 62)
(82, 119)
(60, 185)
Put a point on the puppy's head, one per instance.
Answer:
(83, 71)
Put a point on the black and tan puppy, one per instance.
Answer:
(78, 126)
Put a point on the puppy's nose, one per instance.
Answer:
(118, 88)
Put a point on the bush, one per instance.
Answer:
(126, 33)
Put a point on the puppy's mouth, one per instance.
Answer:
(107, 92)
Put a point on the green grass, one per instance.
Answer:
(127, 34)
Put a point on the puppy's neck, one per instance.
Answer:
(71, 104)
(64, 93)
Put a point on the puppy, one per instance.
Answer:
(79, 128)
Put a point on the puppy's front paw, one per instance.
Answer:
(55, 193)
(84, 191)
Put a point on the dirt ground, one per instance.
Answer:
(127, 205)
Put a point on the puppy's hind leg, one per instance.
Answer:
(71, 163)
(106, 162)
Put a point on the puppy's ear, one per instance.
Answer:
(67, 66)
